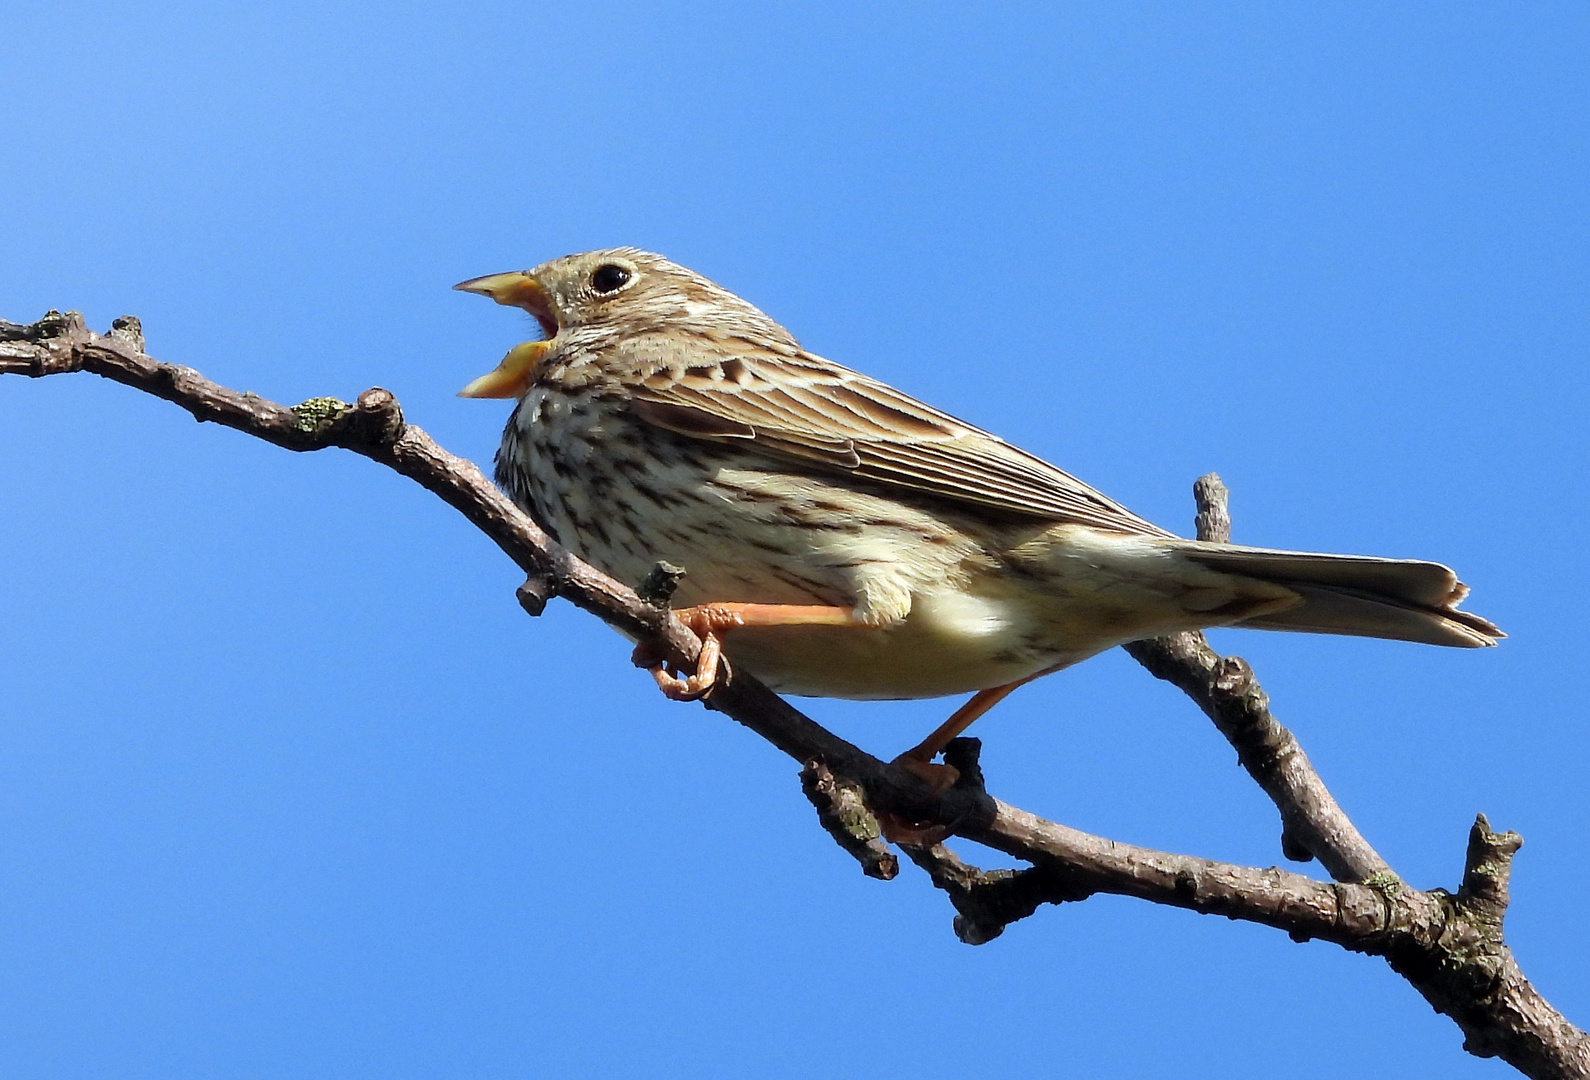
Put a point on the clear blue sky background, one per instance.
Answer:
(289, 786)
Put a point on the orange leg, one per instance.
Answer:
(712, 621)
(919, 758)
(919, 762)
(961, 719)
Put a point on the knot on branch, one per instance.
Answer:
(53, 324)
(375, 419)
(128, 330)
(1237, 693)
(58, 324)
(987, 901)
(844, 815)
(964, 755)
(654, 593)
(50, 346)
(660, 584)
(535, 592)
(1458, 958)
(1487, 868)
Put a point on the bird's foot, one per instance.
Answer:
(709, 622)
(899, 829)
(940, 778)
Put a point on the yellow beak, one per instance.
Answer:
(512, 376)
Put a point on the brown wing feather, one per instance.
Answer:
(805, 409)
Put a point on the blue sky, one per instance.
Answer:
(289, 786)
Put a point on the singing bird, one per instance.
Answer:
(842, 539)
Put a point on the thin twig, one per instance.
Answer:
(842, 810)
(1213, 520)
(987, 901)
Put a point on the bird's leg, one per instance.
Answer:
(919, 759)
(712, 621)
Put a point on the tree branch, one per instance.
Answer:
(987, 901)
(1450, 947)
(1312, 824)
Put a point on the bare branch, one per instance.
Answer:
(1450, 947)
(987, 901)
(373, 426)
(1312, 824)
(1501, 1013)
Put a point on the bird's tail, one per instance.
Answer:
(1400, 599)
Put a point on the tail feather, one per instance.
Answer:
(1400, 599)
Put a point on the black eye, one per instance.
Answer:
(609, 278)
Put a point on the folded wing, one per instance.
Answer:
(805, 409)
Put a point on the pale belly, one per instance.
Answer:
(950, 643)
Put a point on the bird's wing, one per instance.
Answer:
(804, 408)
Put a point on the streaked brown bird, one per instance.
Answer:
(841, 538)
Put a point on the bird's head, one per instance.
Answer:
(602, 295)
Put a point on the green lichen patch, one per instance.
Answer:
(312, 413)
(1385, 883)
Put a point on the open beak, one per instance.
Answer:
(516, 289)
(512, 376)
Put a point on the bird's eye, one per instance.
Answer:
(609, 278)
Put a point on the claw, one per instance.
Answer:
(899, 830)
(676, 689)
(701, 681)
(938, 777)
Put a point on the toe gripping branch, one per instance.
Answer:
(709, 623)
(985, 901)
(657, 590)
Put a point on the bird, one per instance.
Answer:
(841, 538)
